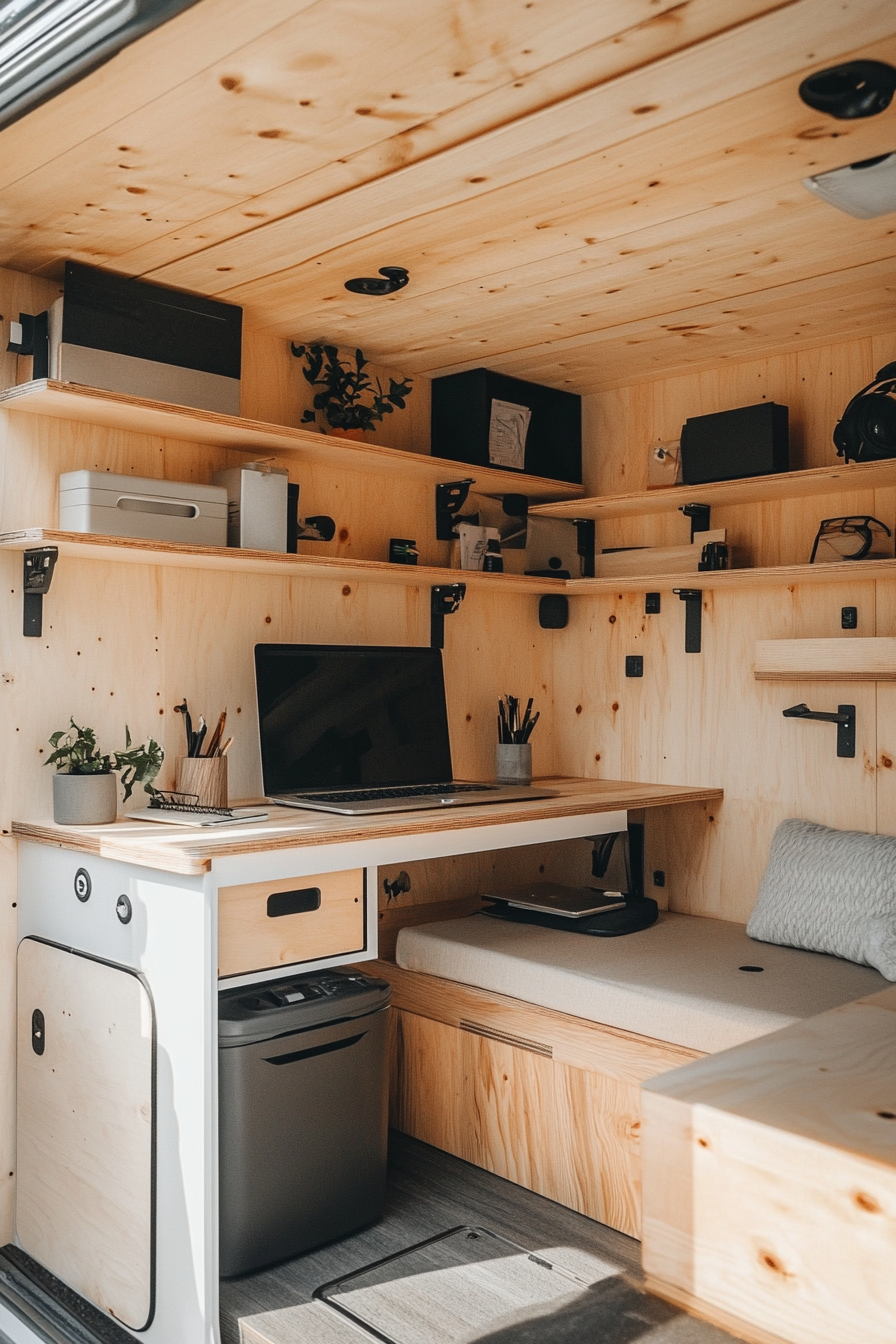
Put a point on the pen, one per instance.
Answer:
(199, 737)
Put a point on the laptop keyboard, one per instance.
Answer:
(407, 791)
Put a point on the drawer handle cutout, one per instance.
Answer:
(38, 1032)
(298, 902)
(296, 1055)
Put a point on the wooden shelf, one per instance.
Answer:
(848, 571)
(113, 410)
(846, 658)
(787, 485)
(89, 546)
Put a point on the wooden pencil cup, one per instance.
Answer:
(205, 776)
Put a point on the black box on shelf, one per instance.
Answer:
(749, 441)
(489, 419)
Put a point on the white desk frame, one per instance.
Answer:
(172, 939)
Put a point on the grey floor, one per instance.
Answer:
(430, 1192)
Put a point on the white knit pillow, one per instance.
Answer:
(830, 891)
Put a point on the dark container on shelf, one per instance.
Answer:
(461, 417)
(730, 445)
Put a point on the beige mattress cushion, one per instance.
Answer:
(679, 981)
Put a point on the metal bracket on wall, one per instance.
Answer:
(845, 719)
(699, 516)
(36, 579)
(444, 601)
(450, 499)
(693, 617)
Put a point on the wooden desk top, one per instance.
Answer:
(181, 849)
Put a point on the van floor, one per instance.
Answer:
(430, 1192)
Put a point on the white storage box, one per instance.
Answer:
(138, 506)
(258, 504)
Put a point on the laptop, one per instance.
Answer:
(360, 729)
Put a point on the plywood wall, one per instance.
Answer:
(702, 718)
(123, 644)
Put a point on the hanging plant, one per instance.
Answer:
(349, 399)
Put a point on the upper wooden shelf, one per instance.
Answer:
(89, 546)
(181, 849)
(845, 658)
(785, 485)
(113, 410)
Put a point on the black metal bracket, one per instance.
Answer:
(321, 527)
(693, 617)
(36, 579)
(21, 335)
(444, 601)
(845, 719)
(585, 545)
(450, 499)
(699, 515)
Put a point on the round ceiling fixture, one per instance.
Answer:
(396, 277)
(856, 89)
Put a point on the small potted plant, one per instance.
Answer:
(84, 786)
(349, 401)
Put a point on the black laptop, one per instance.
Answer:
(358, 729)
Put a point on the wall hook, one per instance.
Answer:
(444, 601)
(693, 618)
(845, 719)
(36, 580)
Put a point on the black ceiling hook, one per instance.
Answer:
(396, 277)
(855, 89)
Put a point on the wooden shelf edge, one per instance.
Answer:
(71, 401)
(855, 571)
(89, 546)
(839, 659)
(756, 489)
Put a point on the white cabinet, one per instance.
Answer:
(86, 1092)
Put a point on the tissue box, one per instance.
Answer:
(140, 507)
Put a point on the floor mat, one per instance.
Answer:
(452, 1288)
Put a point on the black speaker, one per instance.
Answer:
(749, 441)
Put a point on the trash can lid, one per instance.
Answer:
(275, 1007)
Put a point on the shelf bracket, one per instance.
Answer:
(699, 517)
(36, 579)
(450, 499)
(845, 719)
(444, 601)
(693, 617)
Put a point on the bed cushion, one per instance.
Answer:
(678, 981)
(830, 891)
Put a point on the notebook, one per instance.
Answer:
(360, 729)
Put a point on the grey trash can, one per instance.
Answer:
(303, 1114)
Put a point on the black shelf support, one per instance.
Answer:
(444, 601)
(699, 515)
(450, 499)
(36, 579)
(693, 617)
(845, 719)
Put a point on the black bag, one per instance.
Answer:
(866, 431)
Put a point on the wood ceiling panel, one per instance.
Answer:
(341, 93)
(769, 48)
(856, 301)
(728, 251)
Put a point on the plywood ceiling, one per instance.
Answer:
(585, 193)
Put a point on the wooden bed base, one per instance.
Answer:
(539, 1097)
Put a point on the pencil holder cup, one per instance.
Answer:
(513, 762)
(206, 776)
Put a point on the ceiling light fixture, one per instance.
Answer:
(396, 277)
(856, 89)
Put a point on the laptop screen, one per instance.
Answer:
(341, 716)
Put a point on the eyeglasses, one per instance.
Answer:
(846, 538)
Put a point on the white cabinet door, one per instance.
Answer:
(85, 1074)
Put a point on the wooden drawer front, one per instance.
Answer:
(266, 924)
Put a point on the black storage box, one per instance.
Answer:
(750, 441)
(462, 416)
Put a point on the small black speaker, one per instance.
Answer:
(553, 612)
(749, 441)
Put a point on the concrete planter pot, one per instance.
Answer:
(513, 762)
(85, 800)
